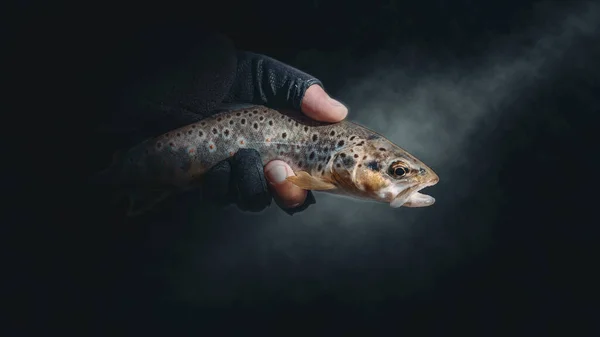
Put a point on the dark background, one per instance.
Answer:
(507, 249)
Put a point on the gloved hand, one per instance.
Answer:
(177, 80)
(240, 180)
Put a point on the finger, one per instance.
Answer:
(317, 105)
(286, 194)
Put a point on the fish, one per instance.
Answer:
(342, 158)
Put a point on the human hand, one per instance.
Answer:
(178, 83)
(317, 105)
(263, 80)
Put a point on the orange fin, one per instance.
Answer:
(305, 181)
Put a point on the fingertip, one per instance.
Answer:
(286, 194)
(317, 105)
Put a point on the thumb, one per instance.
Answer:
(317, 105)
(286, 194)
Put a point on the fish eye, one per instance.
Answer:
(398, 170)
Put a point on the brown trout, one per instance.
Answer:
(341, 158)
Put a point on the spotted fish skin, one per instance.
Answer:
(345, 155)
(180, 156)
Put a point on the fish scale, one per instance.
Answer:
(342, 158)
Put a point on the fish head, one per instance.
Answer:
(379, 170)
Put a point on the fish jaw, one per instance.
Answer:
(411, 197)
(417, 199)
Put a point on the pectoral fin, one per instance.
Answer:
(142, 201)
(305, 181)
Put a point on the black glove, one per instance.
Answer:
(263, 80)
(240, 180)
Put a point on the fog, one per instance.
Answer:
(430, 106)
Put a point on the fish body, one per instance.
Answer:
(342, 158)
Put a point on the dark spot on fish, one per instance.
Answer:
(352, 138)
(167, 134)
(231, 122)
(325, 149)
(365, 157)
(226, 132)
(265, 111)
(178, 134)
(361, 143)
(282, 117)
(339, 135)
(261, 118)
(340, 143)
(323, 171)
(219, 119)
(332, 133)
(319, 167)
(200, 133)
(373, 165)
(289, 119)
(348, 162)
(243, 121)
(328, 158)
(255, 112)
(281, 153)
(381, 149)
(203, 123)
(342, 155)
(158, 145)
(283, 135)
(171, 144)
(312, 155)
(271, 123)
(190, 132)
(371, 137)
(278, 146)
(238, 114)
(359, 165)
(193, 126)
(214, 130)
(315, 137)
(245, 111)
(256, 126)
(422, 171)
(355, 156)
(338, 165)
(306, 129)
(299, 164)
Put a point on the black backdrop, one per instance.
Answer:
(530, 187)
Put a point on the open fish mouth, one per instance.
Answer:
(411, 197)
